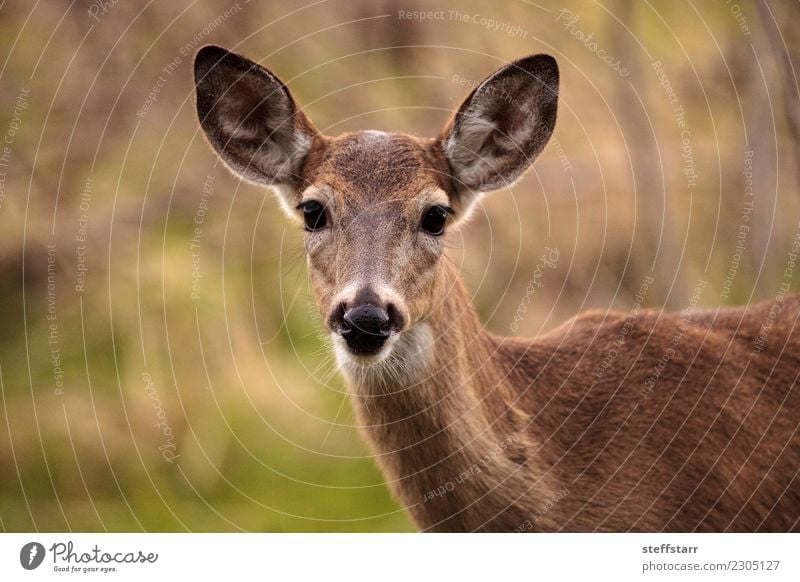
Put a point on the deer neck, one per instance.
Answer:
(423, 412)
(428, 379)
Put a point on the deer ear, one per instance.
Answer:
(250, 118)
(503, 125)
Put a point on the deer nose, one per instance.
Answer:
(365, 327)
(366, 319)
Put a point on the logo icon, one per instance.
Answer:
(31, 555)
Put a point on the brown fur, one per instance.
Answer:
(714, 446)
(692, 425)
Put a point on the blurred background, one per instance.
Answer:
(161, 362)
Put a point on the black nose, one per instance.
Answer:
(365, 328)
(367, 319)
(365, 322)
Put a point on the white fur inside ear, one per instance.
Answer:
(274, 161)
(253, 127)
(282, 153)
(463, 152)
(293, 150)
(463, 147)
(504, 124)
(474, 163)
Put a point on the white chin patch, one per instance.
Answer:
(347, 359)
(404, 358)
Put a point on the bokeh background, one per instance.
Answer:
(161, 364)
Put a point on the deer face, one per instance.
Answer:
(374, 214)
(376, 207)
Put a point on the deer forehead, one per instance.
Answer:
(374, 169)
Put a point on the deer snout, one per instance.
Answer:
(367, 319)
(366, 323)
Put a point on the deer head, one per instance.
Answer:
(375, 206)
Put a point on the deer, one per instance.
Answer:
(693, 426)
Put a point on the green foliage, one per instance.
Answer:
(196, 391)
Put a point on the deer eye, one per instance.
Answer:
(313, 215)
(434, 219)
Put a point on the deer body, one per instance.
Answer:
(693, 425)
(712, 447)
